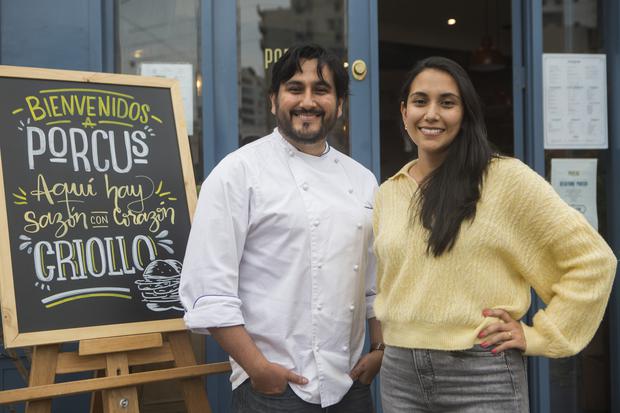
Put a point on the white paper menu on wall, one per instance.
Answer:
(575, 181)
(184, 73)
(575, 101)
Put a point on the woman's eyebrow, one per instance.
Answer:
(450, 95)
(442, 95)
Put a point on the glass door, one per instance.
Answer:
(265, 30)
(580, 384)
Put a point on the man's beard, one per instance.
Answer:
(304, 137)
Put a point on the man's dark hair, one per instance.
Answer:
(450, 194)
(290, 63)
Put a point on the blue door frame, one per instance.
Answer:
(534, 155)
(529, 146)
(220, 132)
(363, 43)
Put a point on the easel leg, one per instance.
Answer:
(193, 389)
(96, 401)
(42, 371)
(123, 400)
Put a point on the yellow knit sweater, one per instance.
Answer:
(523, 236)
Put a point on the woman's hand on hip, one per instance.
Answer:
(503, 336)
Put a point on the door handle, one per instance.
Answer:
(359, 69)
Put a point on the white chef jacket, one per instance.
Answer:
(281, 242)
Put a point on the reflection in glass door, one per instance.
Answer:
(265, 30)
(164, 35)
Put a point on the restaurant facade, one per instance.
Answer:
(221, 52)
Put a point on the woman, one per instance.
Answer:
(462, 234)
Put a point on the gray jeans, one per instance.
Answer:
(247, 400)
(473, 380)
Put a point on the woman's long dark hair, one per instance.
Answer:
(448, 196)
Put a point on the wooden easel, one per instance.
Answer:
(118, 387)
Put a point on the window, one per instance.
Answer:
(164, 32)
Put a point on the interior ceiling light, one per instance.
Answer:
(451, 22)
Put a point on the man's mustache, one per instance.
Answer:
(317, 112)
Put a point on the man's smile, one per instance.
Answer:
(307, 115)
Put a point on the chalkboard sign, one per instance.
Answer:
(96, 194)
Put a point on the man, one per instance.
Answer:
(279, 267)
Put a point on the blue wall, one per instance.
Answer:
(61, 34)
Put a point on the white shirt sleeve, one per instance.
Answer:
(210, 275)
(371, 289)
(371, 261)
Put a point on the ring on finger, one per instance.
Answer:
(509, 335)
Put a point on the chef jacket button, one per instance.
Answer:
(304, 186)
(319, 306)
(319, 266)
(350, 190)
(316, 348)
(356, 267)
(359, 225)
(316, 223)
(290, 153)
(336, 160)
(351, 307)
(345, 348)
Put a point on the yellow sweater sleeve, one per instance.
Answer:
(571, 268)
(375, 229)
